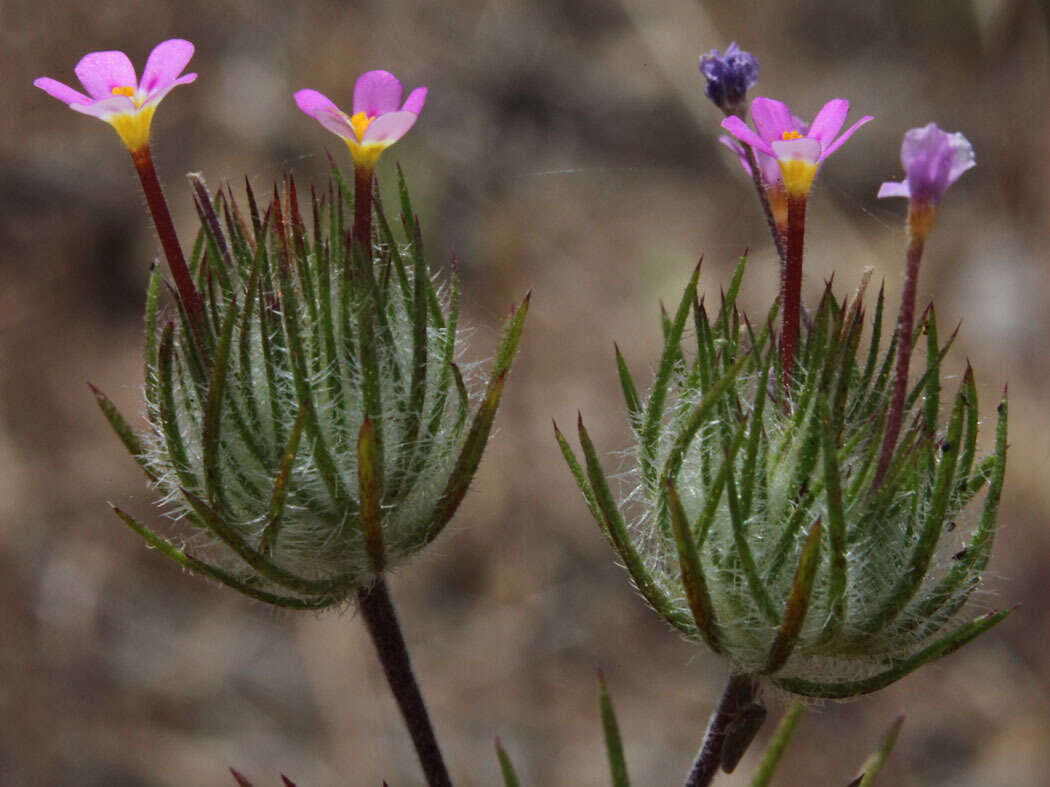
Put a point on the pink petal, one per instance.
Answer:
(414, 102)
(739, 129)
(891, 189)
(106, 108)
(376, 93)
(828, 121)
(389, 128)
(802, 149)
(321, 109)
(165, 63)
(734, 146)
(63, 93)
(771, 118)
(100, 72)
(155, 97)
(845, 135)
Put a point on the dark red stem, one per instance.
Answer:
(381, 620)
(905, 328)
(791, 287)
(363, 211)
(158, 208)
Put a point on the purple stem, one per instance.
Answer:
(905, 328)
(763, 197)
(740, 692)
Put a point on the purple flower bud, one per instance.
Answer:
(728, 76)
(933, 160)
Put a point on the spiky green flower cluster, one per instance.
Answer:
(760, 524)
(314, 428)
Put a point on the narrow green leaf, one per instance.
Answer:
(369, 495)
(692, 573)
(908, 583)
(611, 730)
(581, 481)
(836, 524)
(205, 569)
(617, 530)
(630, 393)
(510, 779)
(775, 750)
(871, 767)
(336, 585)
(280, 484)
(211, 441)
(123, 431)
(655, 406)
(797, 605)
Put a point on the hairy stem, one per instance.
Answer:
(381, 620)
(905, 328)
(740, 692)
(763, 198)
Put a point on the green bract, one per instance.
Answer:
(316, 429)
(756, 524)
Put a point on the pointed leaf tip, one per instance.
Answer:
(241, 780)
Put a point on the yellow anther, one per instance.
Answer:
(791, 135)
(360, 122)
(125, 90)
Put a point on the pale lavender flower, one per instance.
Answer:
(114, 92)
(728, 76)
(933, 160)
(379, 118)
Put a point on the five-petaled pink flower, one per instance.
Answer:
(798, 151)
(114, 93)
(379, 118)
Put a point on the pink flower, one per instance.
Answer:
(933, 160)
(798, 151)
(379, 118)
(114, 93)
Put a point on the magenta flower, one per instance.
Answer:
(114, 93)
(933, 160)
(798, 151)
(379, 118)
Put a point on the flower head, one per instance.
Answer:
(728, 76)
(379, 118)
(933, 160)
(115, 94)
(798, 150)
(766, 535)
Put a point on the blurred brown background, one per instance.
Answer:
(565, 147)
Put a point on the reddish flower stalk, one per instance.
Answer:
(905, 329)
(362, 232)
(933, 160)
(158, 208)
(791, 287)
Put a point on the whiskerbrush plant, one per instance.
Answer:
(756, 525)
(309, 423)
(795, 494)
(262, 433)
